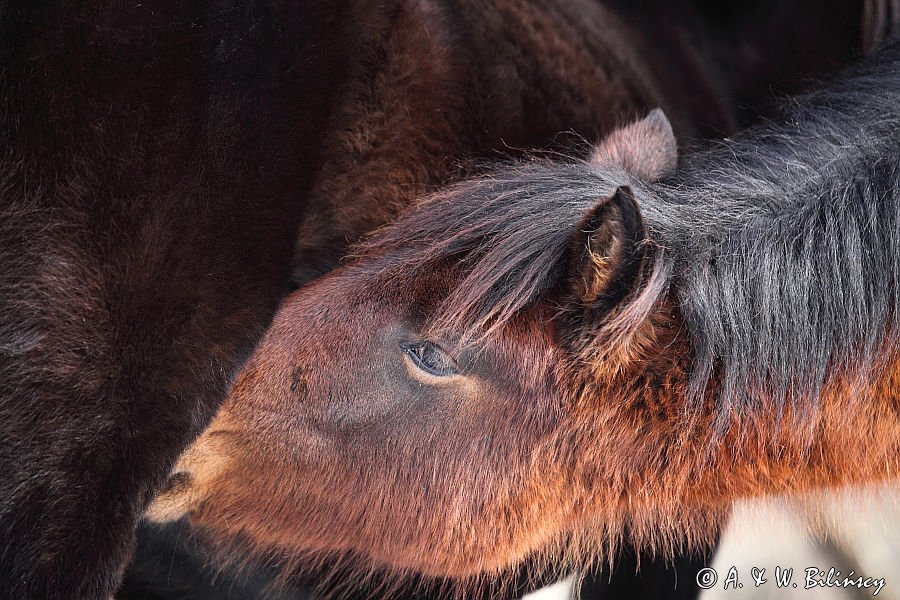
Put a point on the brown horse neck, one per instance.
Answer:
(684, 452)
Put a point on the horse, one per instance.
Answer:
(577, 355)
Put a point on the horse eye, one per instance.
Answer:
(430, 358)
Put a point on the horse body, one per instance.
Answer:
(132, 138)
(438, 89)
(564, 355)
(448, 85)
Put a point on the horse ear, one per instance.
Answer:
(647, 148)
(606, 253)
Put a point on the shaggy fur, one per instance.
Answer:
(570, 425)
(157, 162)
(439, 87)
(446, 85)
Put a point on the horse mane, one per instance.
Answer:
(786, 242)
(780, 247)
(509, 231)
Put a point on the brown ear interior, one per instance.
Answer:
(607, 253)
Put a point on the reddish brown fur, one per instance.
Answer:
(586, 464)
(537, 448)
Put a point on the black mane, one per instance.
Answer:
(509, 230)
(781, 247)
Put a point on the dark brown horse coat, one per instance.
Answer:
(445, 85)
(154, 161)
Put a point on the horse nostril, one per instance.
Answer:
(174, 500)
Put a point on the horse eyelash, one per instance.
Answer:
(416, 351)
